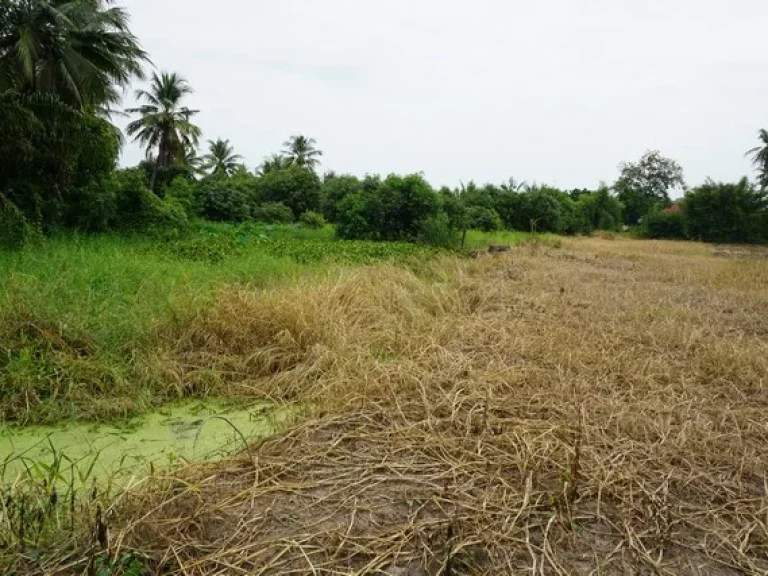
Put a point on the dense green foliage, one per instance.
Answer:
(55, 152)
(312, 219)
(395, 208)
(717, 212)
(665, 224)
(63, 63)
(646, 184)
(298, 188)
(80, 51)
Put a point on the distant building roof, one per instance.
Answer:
(674, 209)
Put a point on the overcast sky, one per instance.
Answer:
(552, 91)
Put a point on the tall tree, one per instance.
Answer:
(273, 163)
(759, 156)
(647, 183)
(192, 163)
(302, 151)
(80, 50)
(163, 123)
(221, 158)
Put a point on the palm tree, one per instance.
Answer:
(273, 163)
(80, 50)
(301, 151)
(163, 122)
(192, 163)
(514, 186)
(221, 159)
(760, 159)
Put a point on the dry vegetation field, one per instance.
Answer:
(598, 408)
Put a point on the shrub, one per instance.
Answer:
(438, 231)
(398, 210)
(48, 151)
(93, 207)
(403, 205)
(182, 190)
(538, 211)
(335, 190)
(599, 210)
(718, 212)
(312, 220)
(354, 221)
(508, 205)
(297, 188)
(273, 213)
(219, 199)
(482, 218)
(138, 207)
(15, 230)
(663, 224)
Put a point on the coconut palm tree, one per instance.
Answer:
(273, 163)
(301, 151)
(221, 158)
(82, 51)
(759, 156)
(192, 162)
(163, 123)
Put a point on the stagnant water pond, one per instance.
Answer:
(80, 454)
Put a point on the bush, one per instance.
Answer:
(220, 200)
(398, 210)
(15, 230)
(298, 188)
(718, 212)
(49, 151)
(599, 211)
(182, 190)
(138, 207)
(508, 206)
(438, 231)
(354, 221)
(312, 220)
(335, 190)
(482, 218)
(273, 213)
(94, 206)
(537, 211)
(661, 224)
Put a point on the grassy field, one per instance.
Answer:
(597, 409)
(86, 322)
(84, 319)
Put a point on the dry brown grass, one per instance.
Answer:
(599, 409)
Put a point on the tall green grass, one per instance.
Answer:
(477, 240)
(80, 315)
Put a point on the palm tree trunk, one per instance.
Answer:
(154, 176)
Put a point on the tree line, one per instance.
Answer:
(65, 63)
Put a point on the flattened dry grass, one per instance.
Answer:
(599, 409)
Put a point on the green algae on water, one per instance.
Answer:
(83, 453)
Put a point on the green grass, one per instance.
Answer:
(80, 315)
(84, 320)
(477, 240)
